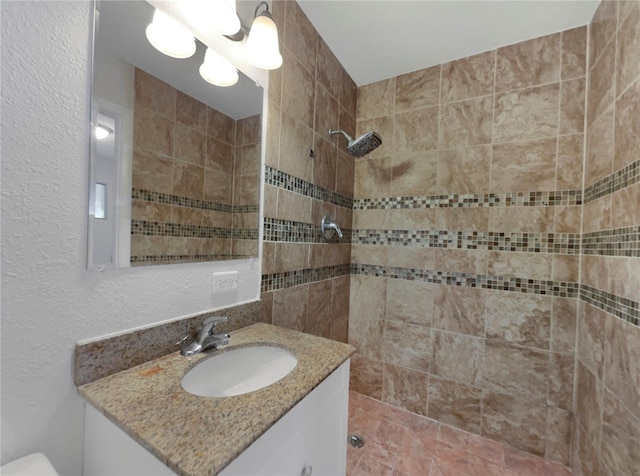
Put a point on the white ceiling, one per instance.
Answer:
(380, 39)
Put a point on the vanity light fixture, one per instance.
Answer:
(262, 49)
(102, 132)
(170, 36)
(217, 70)
(219, 15)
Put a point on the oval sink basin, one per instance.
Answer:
(239, 371)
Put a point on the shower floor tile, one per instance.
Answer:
(400, 443)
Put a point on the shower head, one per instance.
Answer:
(363, 144)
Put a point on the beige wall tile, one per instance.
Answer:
(561, 373)
(468, 77)
(516, 371)
(365, 376)
(369, 254)
(272, 149)
(291, 257)
(600, 148)
(216, 218)
(410, 302)
(415, 131)
(376, 99)
(459, 310)
(152, 132)
(418, 89)
(154, 94)
(622, 362)
(524, 166)
(520, 264)
(186, 215)
(382, 125)
(600, 94)
(572, 103)
(574, 53)
(466, 123)
(326, 113)
(151, 171)
(299, 86)
(266, 307)
(414, 174)
(324, 255)
(528, 63)
(557, 445)
(407, 345)
(319, 315)
(366, 315)
(462, 261)
(293, 206)
(515, 421)
(220, 126)
(563, 324)
(591, 338)
(462, 219)
(340, 296)
(625, 278)
(625, 209)
(566, 268)
(567, 218)
(150, 211)
(458, 357)
(589, 403)
(300, 37)
(373, 219)
(372, 178)
(191, 112)
(349, 94)
(526, 114)
(522, 219)
(628, 48)
(329, 71)
(405, 388)
(405, 219)
(324, 163)
(455, 404)
(520, 319)
(602, 29)
(190, 145)
(218, 187)
(570, 161)
(464, 170)
(219, 156)
(410, 257)
(627, 125)
(345, 174)
(596, 215)
(296, 140)
(620, 433)
(290, 307)
(188, 180)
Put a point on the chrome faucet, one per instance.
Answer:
(206, 338)
(329, 224)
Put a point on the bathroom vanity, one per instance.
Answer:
(141, 421)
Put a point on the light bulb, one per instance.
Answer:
(217, 70)
(170, 37)
(262, 49)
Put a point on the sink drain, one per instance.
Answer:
(356, 441)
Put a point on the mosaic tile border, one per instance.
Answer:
(623, 308)
(502, 283)
(153, 228)
(175, 259)
(283, 180)
(616, 242)
(478, 200)
(299, 232)
(563, 243)
(170, 199)
(276, 281)
(624, 177)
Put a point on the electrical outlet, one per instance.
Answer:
(223, 282)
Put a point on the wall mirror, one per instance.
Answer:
(175, 161)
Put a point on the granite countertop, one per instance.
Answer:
(196, 436)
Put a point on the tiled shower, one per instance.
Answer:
(489, 276)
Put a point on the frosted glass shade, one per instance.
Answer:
(217, 70)
(219, 15)
(262, 49)
(170, 36)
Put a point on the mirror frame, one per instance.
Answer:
(230, 50)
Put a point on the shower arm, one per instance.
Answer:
(348, 137)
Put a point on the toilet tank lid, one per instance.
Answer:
(35, 464)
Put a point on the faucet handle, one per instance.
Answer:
(210, 322)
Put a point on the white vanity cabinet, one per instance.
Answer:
(310, 440)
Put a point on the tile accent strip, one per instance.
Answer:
(273, 282)
(617, 242)
(174, 259)
(298, 232)
(169, 199)
(151, 228)
(618, 306)
(515, 199)
(283, 180)
(624, 177)
(502, 283)
(564, 243)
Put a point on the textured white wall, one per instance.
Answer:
(49, 301)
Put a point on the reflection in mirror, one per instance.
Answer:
(175, 161)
